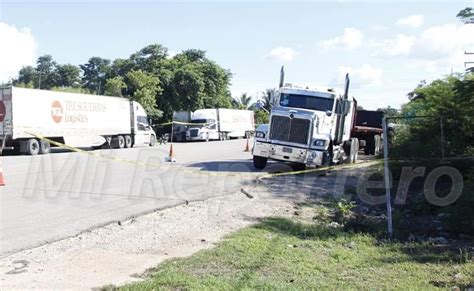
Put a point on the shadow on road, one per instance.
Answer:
(243, 166)
(9, 152)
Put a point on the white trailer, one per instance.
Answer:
(220, 124)
(78, 120)
(307, 127)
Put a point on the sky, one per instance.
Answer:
(386, 46)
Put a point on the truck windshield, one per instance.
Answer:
(306, 102)
(211, 123)
(200, 121)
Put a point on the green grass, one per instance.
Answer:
(279, 253)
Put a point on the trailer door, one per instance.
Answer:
(6, 125)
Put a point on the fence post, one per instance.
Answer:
(442, 137)
(387, 178)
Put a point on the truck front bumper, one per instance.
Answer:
(195, 138)
(288, 153)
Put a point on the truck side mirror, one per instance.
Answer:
(328, 112)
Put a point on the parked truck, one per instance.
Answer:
(307, 127)
(220, 124)
(78, 120)
(181, 120)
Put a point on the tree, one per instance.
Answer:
(416, 93)
(389, 111)
(45, 67)
(243, 102)
(144, 89)
(466, 15)
(27, 76)
(114, 86)
(150, 58)
(95, 74)
(450, 99)
(67, 76)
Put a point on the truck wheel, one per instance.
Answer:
(259, 162)
(152, 140)
(118, 142)
(128, 141)
(32, 147)
(354, 150)
(377, 142)
(44, 147)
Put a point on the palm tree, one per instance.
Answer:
(267, 97)
(243, 102)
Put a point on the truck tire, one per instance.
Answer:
(32, 147)
(128, 141)
(354, 150)
(118, 142)
(152, 140)
(44, 147)
(259, 162)
(378, 144)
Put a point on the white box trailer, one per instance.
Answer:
(78, 120)
(220, 124)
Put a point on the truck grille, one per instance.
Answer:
(193, 132)
(287, 129)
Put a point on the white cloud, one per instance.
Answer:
(379, 28)
(363, 76)
(350, 39)
(400, 45)
(444, 39)
(441, 48)
(413, 21)
(284, 54)
(17, 49)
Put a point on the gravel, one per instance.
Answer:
(116, 253)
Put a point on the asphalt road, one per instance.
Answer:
(54, 196)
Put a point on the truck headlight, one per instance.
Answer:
(319, 143)
(260, 134)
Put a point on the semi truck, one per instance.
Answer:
(308, 126)
(181, 120)
(79, 120)
(220, 124)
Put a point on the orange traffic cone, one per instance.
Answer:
(247, 146)
(2, 181)
(171, 158)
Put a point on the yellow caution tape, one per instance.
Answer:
(195, 171)
(180, 123)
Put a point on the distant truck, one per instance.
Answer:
(308, 126)
(78, 120)
(368, 129)
(181, 121)
(220, 124)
